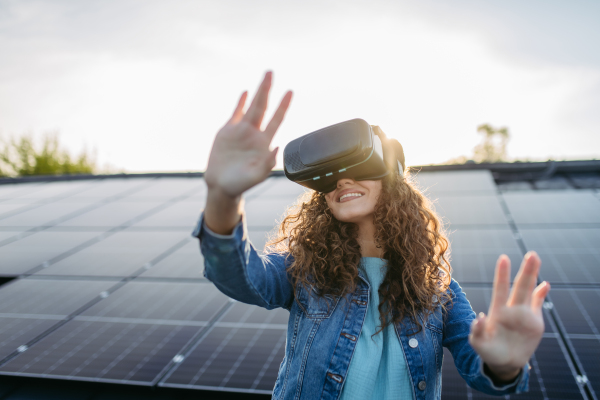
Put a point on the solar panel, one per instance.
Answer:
(111, 214)
(6, 209)
(51, 190)
(559, 240)
(571, 207)
(112, 187)
(15, 332)
(471, 210)
(579, 309)
(459, 182)
(232, 358)
(574, 268)
(474, 267)
(48, 296)
(169, 188)
(182, 214)
(8, 191)
(161, 301)
(120, 254)
(103, 351)
(32, 251)
(163, 324)
(588, 352)
(46, 214)
(186, 262)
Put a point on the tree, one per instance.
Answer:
(21, 157)
(493, 146)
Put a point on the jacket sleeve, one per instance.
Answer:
(234, 266)
(457, 326)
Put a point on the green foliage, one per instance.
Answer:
(21, 157)
(493, 146)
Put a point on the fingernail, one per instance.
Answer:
(481, 315)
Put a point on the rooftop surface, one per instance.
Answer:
(104, 297)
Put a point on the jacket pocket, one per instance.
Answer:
(316, 307)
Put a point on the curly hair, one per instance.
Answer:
(326, 253)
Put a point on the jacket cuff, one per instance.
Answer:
(217, 242)
(519, 385)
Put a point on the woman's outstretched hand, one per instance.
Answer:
(240, 157)
(506, 338)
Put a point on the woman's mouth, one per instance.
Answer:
(349, 197)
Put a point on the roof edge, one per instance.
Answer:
(501, 171)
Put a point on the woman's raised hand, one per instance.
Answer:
(506, 338)
(240, 157)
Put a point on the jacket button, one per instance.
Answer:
(349, 336)
(434, 298)
(414, 343)
(335, 377)
(422, 385)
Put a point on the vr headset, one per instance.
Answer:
(351, 149)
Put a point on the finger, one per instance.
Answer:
(478, 327)
(525, 280)
(501, 283)
(278, 116)
(238, 113)
(256, 111)
(539, 294)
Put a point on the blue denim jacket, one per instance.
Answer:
(320, 342)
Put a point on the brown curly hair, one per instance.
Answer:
(326, 253)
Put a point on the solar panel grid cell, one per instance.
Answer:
(186, 262)
(182, 214)
(112, 214)
(579, 309)
(161, 300)
(233, 358)
(471, 210)
(22, 255)
(120, 254)
(588, 351)
(15, 332)
(471, 183)
(553, 207)
(46, 296)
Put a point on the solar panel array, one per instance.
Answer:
(110, 288)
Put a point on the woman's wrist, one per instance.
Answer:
(223, 211)
(501, 376)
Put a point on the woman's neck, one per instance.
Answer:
(366, 240)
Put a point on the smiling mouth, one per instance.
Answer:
(349, 197)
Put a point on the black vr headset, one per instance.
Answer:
(351, 149)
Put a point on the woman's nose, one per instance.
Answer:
(344, 181)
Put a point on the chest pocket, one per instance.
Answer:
(316, 307)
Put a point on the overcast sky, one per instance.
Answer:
(149, 83)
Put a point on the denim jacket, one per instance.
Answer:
(320, 342)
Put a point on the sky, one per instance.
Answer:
(147, 84)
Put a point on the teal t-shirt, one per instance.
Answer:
(378, 369)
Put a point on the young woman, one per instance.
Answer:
(362, 270)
